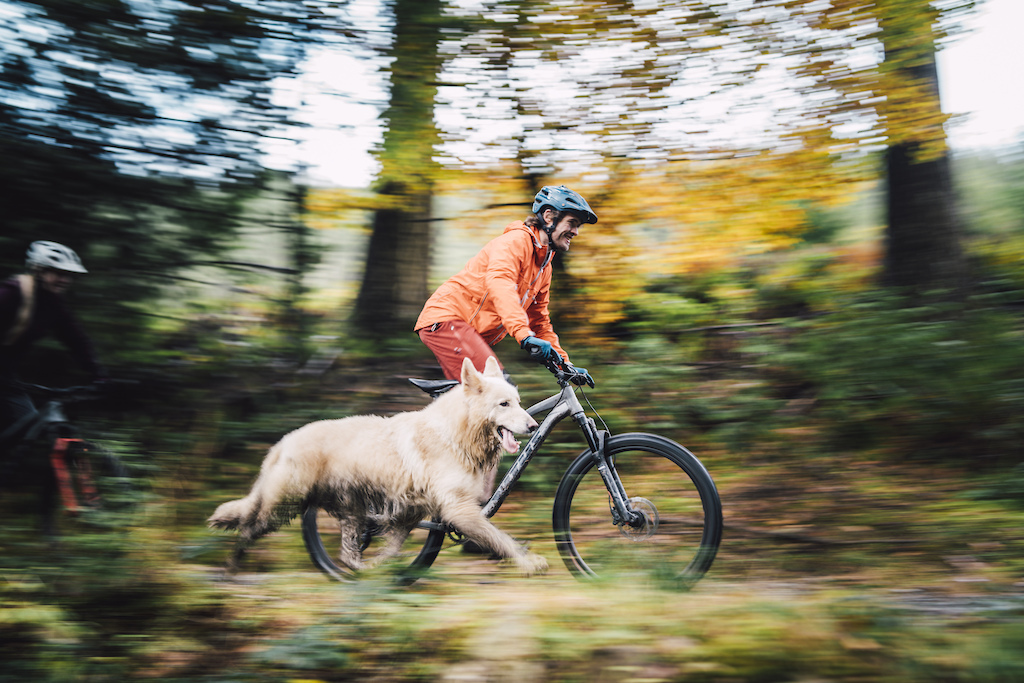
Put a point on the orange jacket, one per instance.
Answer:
(503, 289)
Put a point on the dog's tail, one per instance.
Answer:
(229, 515)
(264, 494)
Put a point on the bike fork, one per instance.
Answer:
(58, 458)
(622, 510)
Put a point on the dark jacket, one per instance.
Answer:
(50, 315)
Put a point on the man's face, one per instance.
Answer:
(563, 233)
(56, 281)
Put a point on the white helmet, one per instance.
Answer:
(45, 254)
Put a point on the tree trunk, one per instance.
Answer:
(301, 257)
(923, 249)
(394, 285)
(923, 239)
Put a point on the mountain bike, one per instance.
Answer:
(47, 452)
(629, 502)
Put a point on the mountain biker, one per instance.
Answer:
(504, 289)
(32, 306)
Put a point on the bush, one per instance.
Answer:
(935, 381)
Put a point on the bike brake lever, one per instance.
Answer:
(555, 365)
(579, 380)
(557, 368)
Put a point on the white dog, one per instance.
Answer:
(406, 468)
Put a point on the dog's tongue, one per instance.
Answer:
(508, 441)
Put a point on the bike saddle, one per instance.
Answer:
(434, 387)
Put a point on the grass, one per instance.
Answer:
(867, 574)
(286, 625)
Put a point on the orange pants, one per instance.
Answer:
(452, 341)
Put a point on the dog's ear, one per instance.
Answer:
(491, 368)
(470, 377)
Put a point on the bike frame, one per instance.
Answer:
(52, 417)
(50, 414)
(65, 478)
(559, 406)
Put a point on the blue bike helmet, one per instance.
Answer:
(561, 198)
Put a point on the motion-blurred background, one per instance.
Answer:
(806, 269)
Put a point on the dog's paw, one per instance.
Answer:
(227, 523)
(354, 564)
(530, 564)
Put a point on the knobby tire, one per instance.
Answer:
(663, 478)
(314, 531)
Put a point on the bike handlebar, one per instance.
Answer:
(58, 391)
(79, 391)
(563, 372)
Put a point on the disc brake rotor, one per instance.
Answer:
(647, 527)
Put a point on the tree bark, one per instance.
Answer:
(923, 249)
(394, 285)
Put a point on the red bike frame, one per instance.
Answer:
(65, 481)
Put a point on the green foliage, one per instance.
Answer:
(784, 382)
(85, 607)
(926, 382)
(992, 190)
(802, 284)
(822, 224)
(131, 132)
(1007, 487)
(319, 647)
(136, 599)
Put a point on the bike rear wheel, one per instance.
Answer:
(320, 533)
(681, 528)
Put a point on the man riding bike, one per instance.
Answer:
(32, 306)
(505, 289)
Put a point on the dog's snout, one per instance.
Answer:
(534, 426)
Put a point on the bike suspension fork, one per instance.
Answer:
(597, 439)
(59, 461)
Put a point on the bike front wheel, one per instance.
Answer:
(88, 482)
(320, 534)
(679, 527)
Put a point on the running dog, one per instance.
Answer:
(404, 468)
